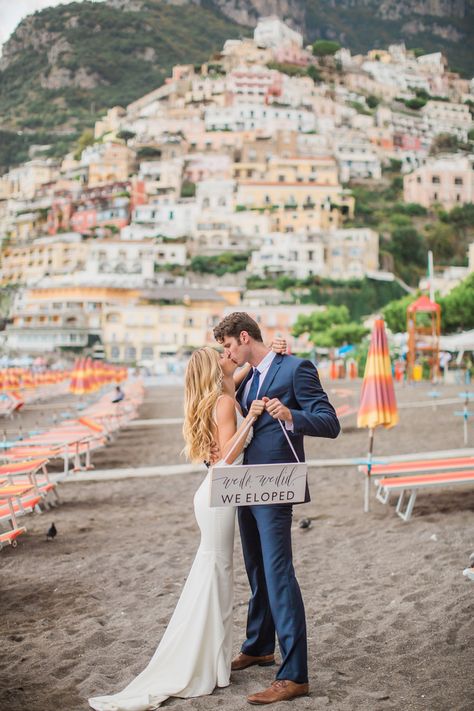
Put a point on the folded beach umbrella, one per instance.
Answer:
(378, 405)
(78, 385)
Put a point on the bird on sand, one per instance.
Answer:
(52, 532)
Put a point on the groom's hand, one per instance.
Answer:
(277, 410)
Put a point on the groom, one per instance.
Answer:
(292, 393)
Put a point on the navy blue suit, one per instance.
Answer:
(265, 531)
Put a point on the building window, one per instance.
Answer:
(115, 352)
(435, 179)
(458, 181)
(130, 353)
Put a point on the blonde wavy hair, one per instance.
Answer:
(202, 387)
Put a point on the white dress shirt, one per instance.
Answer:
(263, 367)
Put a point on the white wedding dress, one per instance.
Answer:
(194, 654)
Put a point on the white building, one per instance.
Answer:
(338, 254)
(448, 117)
(216, 231)
(352, 253)
(247, 117)
(272, 32)
(175, 219)
(215, 195)
(23, 181)
(297, 255)
(131, 258)
(357, 159)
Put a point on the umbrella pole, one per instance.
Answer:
(369, 468)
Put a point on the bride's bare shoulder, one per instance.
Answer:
(225, 406)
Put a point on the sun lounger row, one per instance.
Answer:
(24, 487)
(25, 483)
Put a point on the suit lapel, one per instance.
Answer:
(241, 388)
(272, 371)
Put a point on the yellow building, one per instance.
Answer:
(165, 322)
(312, 201)
(45, 256)
(48, 318)
(379, 55)
(321, 170)
(108, 163)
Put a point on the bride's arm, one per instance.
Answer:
(241, 374)
(278, 345)
(227, 432)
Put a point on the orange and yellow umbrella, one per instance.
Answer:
(378, 405)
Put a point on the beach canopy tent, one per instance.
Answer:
(458, 342)
(378, 405)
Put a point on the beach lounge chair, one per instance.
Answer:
(9, 537)
(24, 473)
(418, 465)
(15, 500)
(413, 484)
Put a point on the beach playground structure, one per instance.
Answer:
(423, 330)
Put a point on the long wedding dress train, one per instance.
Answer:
(195, 651)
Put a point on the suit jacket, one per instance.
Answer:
(295, 382)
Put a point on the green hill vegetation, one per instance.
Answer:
(370, 24)
(64, 66)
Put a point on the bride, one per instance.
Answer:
(194, 654)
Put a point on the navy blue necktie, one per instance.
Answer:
(253, 388)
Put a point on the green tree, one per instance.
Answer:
(457, 307)
(330, 328)
(409, 252)
(372, 101)
(441, 239)
(188, 189)
(325, 48)
(85, 139)
(321, 320)
(444, 143)
(341, 335)
(314, 74)
(126, 135)
(395, 313)
(415, 104)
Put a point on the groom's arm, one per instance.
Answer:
(317, 417)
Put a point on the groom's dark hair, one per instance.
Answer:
(233, 325)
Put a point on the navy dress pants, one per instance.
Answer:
(276, 602)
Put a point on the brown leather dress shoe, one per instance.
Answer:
(242, 661)
(280, 690)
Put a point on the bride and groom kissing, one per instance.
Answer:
(238, 417)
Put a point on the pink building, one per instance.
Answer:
(291, 54)
(447, 180)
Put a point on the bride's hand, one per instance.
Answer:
(215, 454)
(279, 345)
(256, 409)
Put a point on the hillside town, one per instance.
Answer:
(251, 157)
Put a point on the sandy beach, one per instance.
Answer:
(390, 616)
